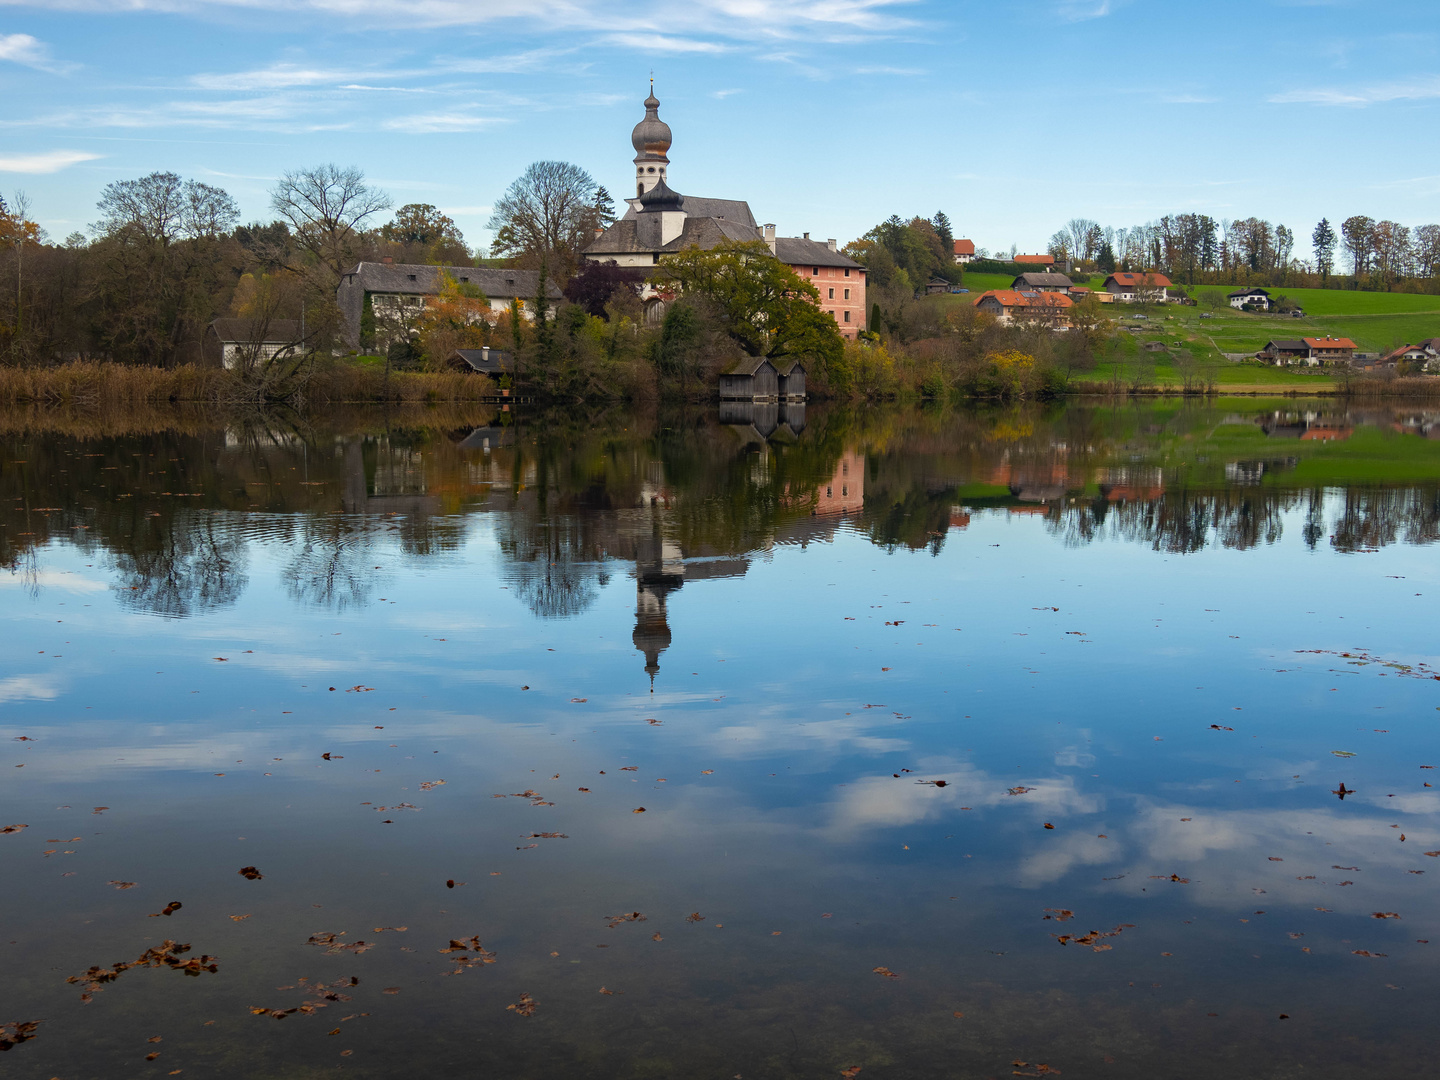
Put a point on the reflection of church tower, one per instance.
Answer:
(658, 572)
(651, 139)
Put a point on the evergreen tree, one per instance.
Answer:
(1324, 239)
(1105, 261)
(942, 227)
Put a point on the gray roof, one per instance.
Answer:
(797, 251)
(730, 209)
(485, 361)
(1249, 292)
(1039, 281)
(701, 232)
(749, 365)
(1288, 345)
(257, 331)
(417, 279)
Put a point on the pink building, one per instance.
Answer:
(840, 279)
(845, 493)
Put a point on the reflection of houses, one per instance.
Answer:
(759, 421)
(1306, 426)
(845, 493)
(1128, 484)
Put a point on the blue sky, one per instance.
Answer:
(826, 116)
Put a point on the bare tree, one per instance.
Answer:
(549, 214)
(161, 208)
(1427, 250)
(326, 206)
(1356, 234)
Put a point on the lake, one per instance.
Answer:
(1094, 740)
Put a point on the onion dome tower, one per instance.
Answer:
(651, 139)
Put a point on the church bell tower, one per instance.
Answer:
(651, 139)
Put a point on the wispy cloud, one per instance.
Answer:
(1083, 10)
(436, 123)
(890, 71)
(274, 77)
(1188, 99)
(1422, 89)
(721, 95)
(30, 51)
(51, 161)
(659, 43)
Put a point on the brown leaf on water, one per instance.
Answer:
(853, 1070)
(17, 1032)
(548, 836)
(656, 937)
(391, 929)
(1048, 825)
(449, 883)
(585, 789)
(934, 783)
(426, 785)
(238, 918)
(1276, 858)
(616, 920)
(707, 772)
(155, 1038)
(13, 828)
(166, 954)
(170, 909)
(524, 1007)
(1384, 915)
(886, 972)
(392, 990)
(638, 810)
(1367, 952)
(630, 768)
(1059, 914)
(346, 1053)
(152, 1056)
(249, 873)
(122, 885)
(335, 1032)
(1020, 790)
(610, 992)
(694, 916)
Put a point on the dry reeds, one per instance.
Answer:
(106, 386)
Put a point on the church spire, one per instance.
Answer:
(651, 139)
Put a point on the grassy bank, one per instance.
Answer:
(118, 385)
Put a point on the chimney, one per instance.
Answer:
(484, 354)
(388, 261)
(768, 232)
(830, 243)
(807, 236)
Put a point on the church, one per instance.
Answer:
(660, 221)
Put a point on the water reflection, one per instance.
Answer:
(677, 497)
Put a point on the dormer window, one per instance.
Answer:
(412, 277)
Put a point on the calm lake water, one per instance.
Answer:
(768, 745)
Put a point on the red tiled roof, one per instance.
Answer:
(1011, 298)
(1330, 343)
(1155, 281)
(964, 247)
(1034, 260)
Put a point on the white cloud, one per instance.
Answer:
(50, 162)
(1082, 10)
(660, 43)
(721, 95)
(24, 49)
(1422, 89)
(1189, 99)
(274, 77)
(439, 123)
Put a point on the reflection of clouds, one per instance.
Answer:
(761, 737)
(28, 688)
(1056, 861)
(55, 579)
(1073, 757)
(1418, 803)
(885, 802)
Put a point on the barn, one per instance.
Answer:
(752, 378)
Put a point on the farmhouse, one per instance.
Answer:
(398, 293)
(1254, 297)
(1329, 350)
(1413, 354)
(230, 343)
(1128, 287)
(1035, 282)
(839, 278)
(1008, 306)
(964, 251)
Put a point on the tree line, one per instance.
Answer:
(1199, 249)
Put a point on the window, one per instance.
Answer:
(829, 493)
(814, 271)
(847, 294)
(832, 294)
(847, 316)
(412, 277)
(847, 271)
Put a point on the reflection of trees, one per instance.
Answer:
(332, 566)
(550, 564)
(184, 566)
(1374, 517)
(1179, 521)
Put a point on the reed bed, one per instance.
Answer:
(102, 385)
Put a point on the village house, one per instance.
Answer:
(231, 343)
(1281, 351)
(398, 294)
(1035, 282)
(1043, 262)
(1050, 309)
(1424, 353)
(1129, 287)
(1253, 297)
(964, 251)
(660, 221)
(1330, 350)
